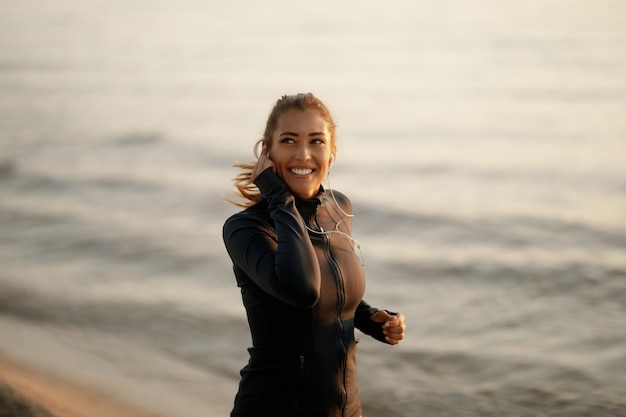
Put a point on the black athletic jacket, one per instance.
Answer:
(302, 290)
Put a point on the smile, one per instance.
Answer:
(301, 171)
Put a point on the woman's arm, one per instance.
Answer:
(383, 325)
(284, 265)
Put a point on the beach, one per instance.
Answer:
(482, 145)
(83, 379)
(27, 393)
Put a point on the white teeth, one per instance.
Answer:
(301, 171)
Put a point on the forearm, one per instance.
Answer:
(284, 264)
(363, 321)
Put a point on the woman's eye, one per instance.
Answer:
(317, 141)
(288, 140)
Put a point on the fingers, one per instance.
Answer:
(394, 329)
(262, 164)
(393, 326)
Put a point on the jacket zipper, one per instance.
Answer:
(341, 300)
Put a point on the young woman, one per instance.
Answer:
(301, 280)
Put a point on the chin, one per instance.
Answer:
(305, 194)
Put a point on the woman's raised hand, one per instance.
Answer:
(262, 163)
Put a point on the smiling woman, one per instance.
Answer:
(301, 280)
(302, 150)
(301, 127)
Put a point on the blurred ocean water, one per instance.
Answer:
(483, 146)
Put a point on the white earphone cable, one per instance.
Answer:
(356, 243)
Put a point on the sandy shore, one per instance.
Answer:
(33, 393)
(79, 373)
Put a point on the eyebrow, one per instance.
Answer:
(296, 134)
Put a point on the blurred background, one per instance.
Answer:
(483, 145)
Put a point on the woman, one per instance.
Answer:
(301, 280)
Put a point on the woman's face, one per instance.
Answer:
(301, 151)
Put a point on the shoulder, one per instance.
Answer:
(343, 201)
(254, 216)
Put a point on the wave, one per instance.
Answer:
(203, 339)
(488, 384)
(605, 180)
(508, 230)
(49, 237)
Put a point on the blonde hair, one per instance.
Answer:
(244, 187)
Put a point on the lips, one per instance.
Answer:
(301, 171)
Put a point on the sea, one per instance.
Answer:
(482, 143)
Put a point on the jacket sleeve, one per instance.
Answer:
(285, 267)
(363, 321)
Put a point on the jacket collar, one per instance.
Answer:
(307, 207)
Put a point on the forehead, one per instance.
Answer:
(301, 121)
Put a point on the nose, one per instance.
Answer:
(303, 152)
